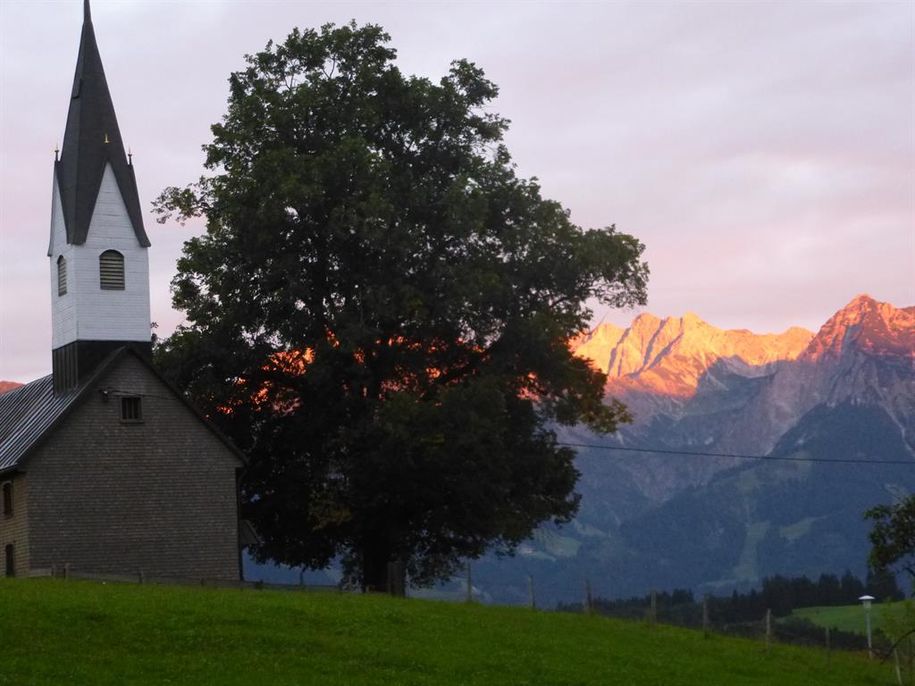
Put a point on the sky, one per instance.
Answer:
(764, 152)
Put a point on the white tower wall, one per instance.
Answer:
(63, 307)
(87, 312)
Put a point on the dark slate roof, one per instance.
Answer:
(91, 122)
(25, 414)
(29, 412)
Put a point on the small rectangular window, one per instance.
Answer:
(8, 499)
(131, 409)
(9, 560)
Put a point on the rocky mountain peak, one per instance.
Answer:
(669, 356)
(683, 366)
(866, 325)
(691, 319)
(593, 346)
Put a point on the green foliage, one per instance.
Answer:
(378, 313)
(57, 632)
(893, 536)
(898, 623)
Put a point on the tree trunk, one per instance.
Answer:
(374, 569)
(381, 573)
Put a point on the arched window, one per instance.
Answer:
(111, 270)
(61, 276)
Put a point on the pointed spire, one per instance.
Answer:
(92, 141)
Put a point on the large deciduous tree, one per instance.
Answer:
(380, 308)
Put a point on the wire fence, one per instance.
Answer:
(719, 615)
(744, 616)
(66, 571)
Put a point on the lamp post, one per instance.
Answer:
(866, 600)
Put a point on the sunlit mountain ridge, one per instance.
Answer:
(686, 495)
(669, 356)
(678, 366)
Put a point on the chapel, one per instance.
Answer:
(104, 467)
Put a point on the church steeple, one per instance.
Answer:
(98, 247)
(92, 140)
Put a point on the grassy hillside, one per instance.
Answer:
(848, 617)
(54, 632)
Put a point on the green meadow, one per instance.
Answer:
(850, 617)
(69, 632)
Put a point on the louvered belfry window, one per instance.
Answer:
(111, 270)
(61, 276)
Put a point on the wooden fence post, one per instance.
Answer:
(705, 615)
(828, 648)
(396, 582)
(909, 658)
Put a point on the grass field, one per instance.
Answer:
(848, 617)
(57, 632)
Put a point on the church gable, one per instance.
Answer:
(132, 478)
(170, 422)
(30, 413)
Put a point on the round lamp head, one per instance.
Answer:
(866, 600)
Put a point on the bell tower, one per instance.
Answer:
(99, 262)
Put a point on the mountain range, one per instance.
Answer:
(682, 497)
(673, 370)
